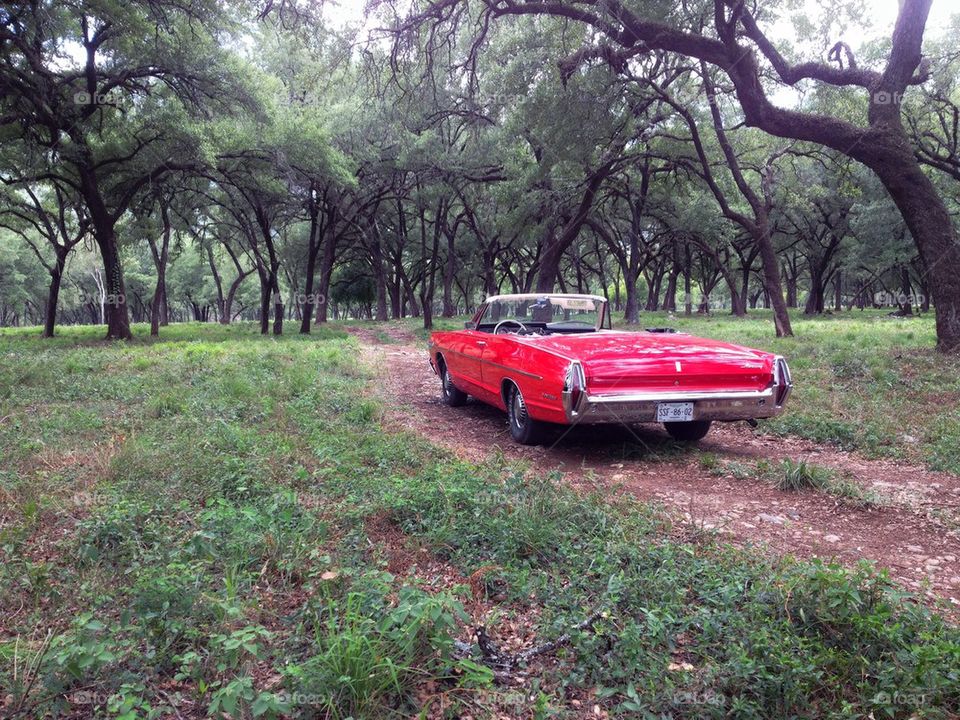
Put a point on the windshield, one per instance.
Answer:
(552, 313)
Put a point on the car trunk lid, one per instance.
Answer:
(616, 362)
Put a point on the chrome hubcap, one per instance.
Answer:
(519, 410)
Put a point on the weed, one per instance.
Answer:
(802, 476)
(793, 476)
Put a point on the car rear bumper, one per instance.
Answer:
(706, 406)
(637, 407)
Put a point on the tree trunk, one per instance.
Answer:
(738, 302)
(53, 296)
(379, 273)
(396, 306)
(228, 301)
(906, 291)
(489, 274)
(160, 263)
(815, 300)
(116, 314)
(429, 280)
(740, 309)
(631, 313)
(278, 308)
(411, 297)
(670, 296)
(932, 229)
(218, 282)
(326, 272)
(449, 268)
(653, 290)
(157, 303)
(556, 245)
(549, 264)
(164, 304)
(792, 299)
(313, 249)
(266, 285)
(771, 281)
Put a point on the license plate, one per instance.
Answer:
(675, 412)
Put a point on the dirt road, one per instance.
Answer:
(913, 531)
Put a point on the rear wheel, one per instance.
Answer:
(523, 428)
(450, 393)
(688, 431)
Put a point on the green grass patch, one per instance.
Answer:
(225, 558)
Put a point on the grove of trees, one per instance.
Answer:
(164, 161)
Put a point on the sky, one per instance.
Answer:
(882, 14)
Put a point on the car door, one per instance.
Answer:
(464, 358)
(501, 358)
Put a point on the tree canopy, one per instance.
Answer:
(162, 161)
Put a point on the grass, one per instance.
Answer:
(800, 475)
(190, 526)
(794, 476)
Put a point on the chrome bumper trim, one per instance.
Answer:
(637, 407)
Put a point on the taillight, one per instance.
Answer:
(782, 380)
(575, 395)
(574, 387)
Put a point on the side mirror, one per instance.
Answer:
(468, 325)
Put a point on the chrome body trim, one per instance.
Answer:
(490, 362)
(513, 370)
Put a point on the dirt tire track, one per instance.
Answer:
(912, 535)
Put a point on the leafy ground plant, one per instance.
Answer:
(226, 549)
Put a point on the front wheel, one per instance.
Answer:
(688, 431)
(523, 428)
(450, 393)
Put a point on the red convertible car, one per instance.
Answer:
(554, 359)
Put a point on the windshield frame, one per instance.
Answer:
(603, 321)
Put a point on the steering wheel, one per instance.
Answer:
(496, 330)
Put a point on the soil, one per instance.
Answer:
(911, 528)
